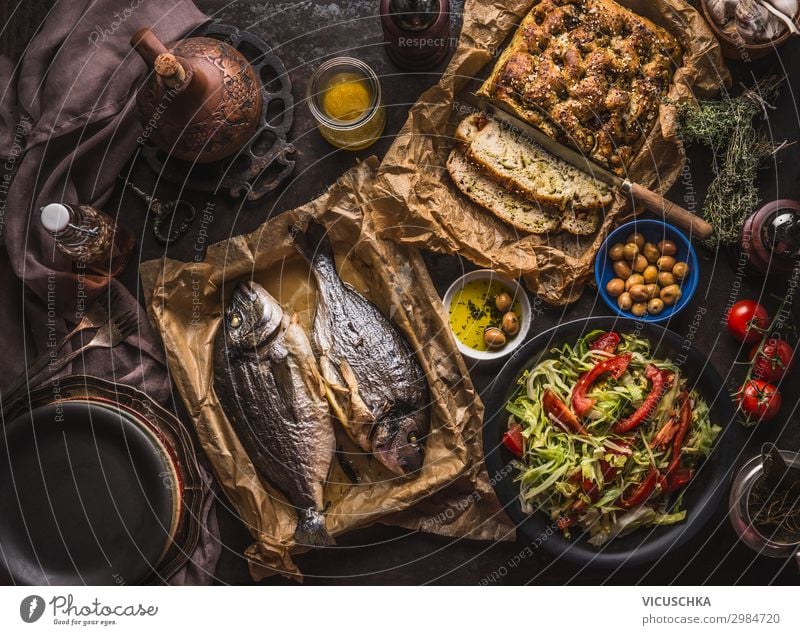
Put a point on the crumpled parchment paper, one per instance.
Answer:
(185, 301)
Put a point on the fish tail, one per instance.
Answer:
(313, 243)
(311, 530)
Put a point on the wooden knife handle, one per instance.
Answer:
(684, 219)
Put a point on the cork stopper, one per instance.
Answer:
(170, 70)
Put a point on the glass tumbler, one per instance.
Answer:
(740, 516)
(349, 134)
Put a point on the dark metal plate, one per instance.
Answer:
(108, 492)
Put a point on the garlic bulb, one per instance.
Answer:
(788, 8)
(786, 18)
(754, 23)
(722, 11)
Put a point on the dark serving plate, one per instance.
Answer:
(98, 485)
(702, 495)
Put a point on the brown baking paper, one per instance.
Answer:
(185, 303)
(419, 205)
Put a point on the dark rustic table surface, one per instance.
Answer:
(304, 34)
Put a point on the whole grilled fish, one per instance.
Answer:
(271, 391)
(363, 355)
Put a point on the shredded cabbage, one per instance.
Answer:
(557, 465)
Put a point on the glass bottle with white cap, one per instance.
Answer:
(89, 237)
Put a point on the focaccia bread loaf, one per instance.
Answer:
(588, 73)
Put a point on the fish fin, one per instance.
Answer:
(333, 402)
(311, 530)
(330, 374)
(358, 409)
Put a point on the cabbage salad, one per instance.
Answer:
(607, 436)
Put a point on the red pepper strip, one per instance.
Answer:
(677, 479)
(660, 381)
(565, 522)
(557, 409)
(513, 441)
(663, 437)
(606, 342)
(592, 489)
(582, 404)
(641, 492)
(571, 517)
(684, 421)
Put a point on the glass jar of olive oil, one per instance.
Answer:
(344, 96)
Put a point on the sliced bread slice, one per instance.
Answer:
(519, 212)
(528, 169)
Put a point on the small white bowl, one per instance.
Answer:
(515, 290)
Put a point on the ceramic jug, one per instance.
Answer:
(202, 102)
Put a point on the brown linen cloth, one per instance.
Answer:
(67, 128)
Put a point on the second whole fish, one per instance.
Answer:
(364, 355)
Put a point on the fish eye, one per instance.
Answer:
(235, 319)
(412, 438)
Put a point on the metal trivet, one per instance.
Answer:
(264, 163)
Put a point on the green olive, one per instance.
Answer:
(638, 292)
(503, 302)
(671, 294)
(665, 263)
(639, 263)
(615, 286)
(624, 301)
(652, 291)
(494, 337)
(639, 309)
(615, 253)
(680, 270)
(655, 306)
(510, 323)
(637, 239)
(667, 248)
(632, 280)
(650, 274)
(630, 251)
(622, 269)
(665, 278)
(651, 252)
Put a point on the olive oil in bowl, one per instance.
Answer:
(488, 315)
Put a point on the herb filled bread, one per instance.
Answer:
(588, 73)
(519, 212)
(521, 183)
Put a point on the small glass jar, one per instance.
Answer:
(353, 117)
(740, 517)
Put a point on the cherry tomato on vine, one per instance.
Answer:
(747, 321)
(759, 400)
(773, 360)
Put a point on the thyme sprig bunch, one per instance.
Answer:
(739, 150)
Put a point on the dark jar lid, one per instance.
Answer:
(414, 15)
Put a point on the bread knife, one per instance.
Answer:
(653, 201)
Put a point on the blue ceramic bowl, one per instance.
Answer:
(653, 231)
